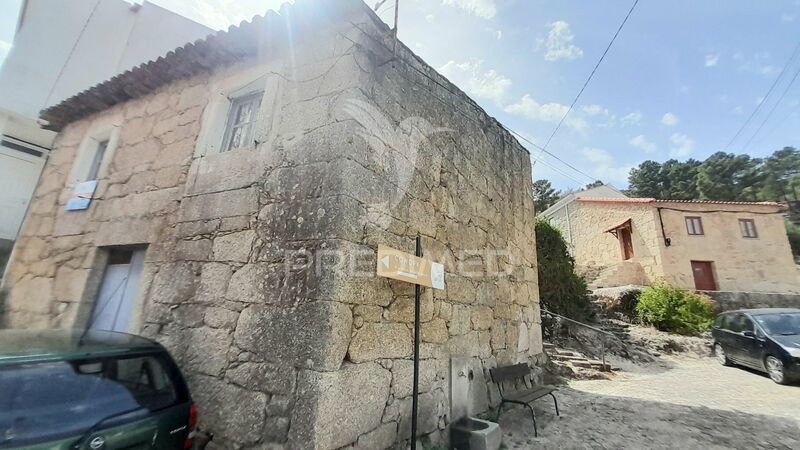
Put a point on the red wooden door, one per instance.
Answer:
(703, 276)
(627, 243)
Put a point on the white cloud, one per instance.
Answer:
(5, 47)
(594, 110)
(430, 18)
(471, 77)
(642, 143)
(632, 119)
(712, 60)
(759, 64)
(682, 145)
(528, 107)
(785, 17)
(738, 109)
(603, 166)
(558, 44)
(482, 8)
(670, 119)
(498, 34)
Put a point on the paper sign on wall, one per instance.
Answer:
(82, 196)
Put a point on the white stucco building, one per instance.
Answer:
(60, 49)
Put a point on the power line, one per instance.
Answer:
(469, 117)
(579, 183)
(614, 38)
(789, 62)
(544, 150)
(774, 107)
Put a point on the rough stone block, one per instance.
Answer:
(334, 409)
(209, 350)
(482, 318)
(313, 335)
(380, 340)
(434, 331)
(233, 412)
(264, 377)
(220, 204)
(174, 283)
(403, 376)
(234, 246)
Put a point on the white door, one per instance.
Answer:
(115, 300)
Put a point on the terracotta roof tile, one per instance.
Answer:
(654, 200)
(262, 36)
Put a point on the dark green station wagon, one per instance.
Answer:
(91, 390)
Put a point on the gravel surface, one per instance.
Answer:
(694, 404)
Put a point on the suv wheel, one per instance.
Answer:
(775, 369)
(721, 356)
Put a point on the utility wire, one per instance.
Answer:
(769, 114)
(614, 38)
(789, 62)
(468, 116)
(544, 150)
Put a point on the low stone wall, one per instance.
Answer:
(727, 301)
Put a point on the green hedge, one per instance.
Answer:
(672, 309)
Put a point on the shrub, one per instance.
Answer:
(793, 232)
(626, 304)
(561, 290)
(672, 309)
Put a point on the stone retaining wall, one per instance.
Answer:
(727, 301)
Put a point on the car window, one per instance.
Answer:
(740, 323)
(49, 400)
(785, 324)
(723, 321)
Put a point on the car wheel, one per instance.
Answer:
(775, 370)
(721, 356)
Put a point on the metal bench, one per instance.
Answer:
(523, 391)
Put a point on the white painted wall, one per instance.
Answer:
(62, 47)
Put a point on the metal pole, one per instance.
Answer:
(415, 391)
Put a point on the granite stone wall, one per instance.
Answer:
(259, 267)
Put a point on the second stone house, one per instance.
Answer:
(227, 199)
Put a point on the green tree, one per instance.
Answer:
(646, 180)
(544, 195)
(781, 175)
(594, 184)
(725, 176)
(561, 290)
(680, 179)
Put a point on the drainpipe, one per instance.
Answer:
(667, 241)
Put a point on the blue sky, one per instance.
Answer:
(680, 81)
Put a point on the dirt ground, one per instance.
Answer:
(688, 403)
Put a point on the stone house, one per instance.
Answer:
(244, 182)
(703, 245)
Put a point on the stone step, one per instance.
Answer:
(597, 365)
(568, 358)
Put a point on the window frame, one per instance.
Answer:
(698, 230)
(98, 155)
(254, 98)
(745, 231)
